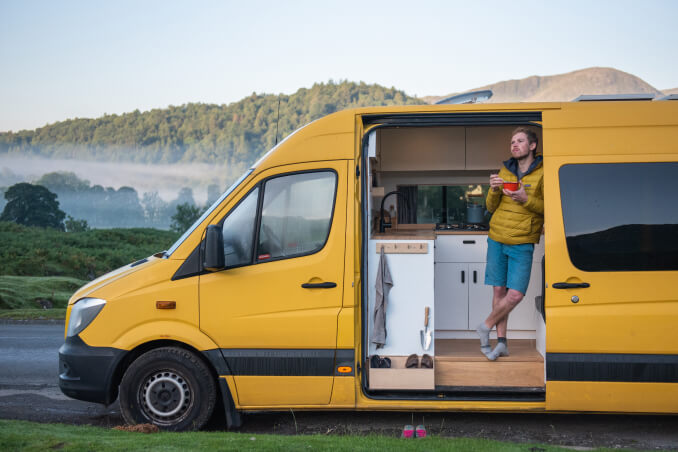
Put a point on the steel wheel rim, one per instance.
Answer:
(166, 396)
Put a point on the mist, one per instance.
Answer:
(121, 195)
(165, 179)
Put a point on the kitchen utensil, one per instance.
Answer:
(475, 213)
(426, 333)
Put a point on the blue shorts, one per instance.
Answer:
(508, 265)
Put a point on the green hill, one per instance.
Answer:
(231, 134)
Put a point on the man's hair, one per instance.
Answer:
(531, 137)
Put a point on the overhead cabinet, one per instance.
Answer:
(444, 148)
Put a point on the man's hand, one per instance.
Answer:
(496, 182)
(518, 195)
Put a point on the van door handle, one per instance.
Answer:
(567, 285)
(320, 285)
(463, 276)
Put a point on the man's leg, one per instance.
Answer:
(499, 293)
(503, 307)
(483, 330)
(495, 275)
(499, 315)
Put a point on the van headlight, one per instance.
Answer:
(82, 314)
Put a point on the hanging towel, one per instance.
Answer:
(383, 285)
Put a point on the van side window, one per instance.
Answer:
(238, 231)
(621, 216)
(296, 214)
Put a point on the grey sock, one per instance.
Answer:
(502, 340)
(500, 350)
(484, 333)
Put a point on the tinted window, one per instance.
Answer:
(621, 216)
(296, 214)
(238, 231)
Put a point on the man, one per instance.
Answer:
(517, 220)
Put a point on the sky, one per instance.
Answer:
(67, 59)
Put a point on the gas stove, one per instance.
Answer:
(461, 227)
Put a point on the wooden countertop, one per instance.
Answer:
(420, 234)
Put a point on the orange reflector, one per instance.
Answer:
(344, 369)
(165, 304)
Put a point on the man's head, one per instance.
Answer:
(523, 143)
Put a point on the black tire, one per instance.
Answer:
(169, 387)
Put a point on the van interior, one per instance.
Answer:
(426, 189)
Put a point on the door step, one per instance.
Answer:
(459, 363)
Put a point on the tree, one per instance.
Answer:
(32, 205)
(73, 225)
(186, 215)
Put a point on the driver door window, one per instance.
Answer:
(296, 215)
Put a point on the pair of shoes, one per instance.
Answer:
(410, 432)
(377, 362)
(413, 362)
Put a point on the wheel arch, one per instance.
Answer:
(211, 358)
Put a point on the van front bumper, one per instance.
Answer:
(86, 373)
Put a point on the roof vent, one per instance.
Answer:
(600, 97)
(473, 97)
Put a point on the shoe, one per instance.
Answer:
(426, 362)
(420, 431)
(377, 362)
(412, 361)
(408, 431)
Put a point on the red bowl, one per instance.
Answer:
(512, 186)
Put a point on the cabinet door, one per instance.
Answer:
(451, 296)
(480, 296)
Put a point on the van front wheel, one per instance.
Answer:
(169, 387)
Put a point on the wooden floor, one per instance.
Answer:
(460, 363)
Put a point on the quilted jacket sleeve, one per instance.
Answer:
(535, 201)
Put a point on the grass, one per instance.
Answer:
(33, 314)
(30, 436)
(21, 293)
(33, 251)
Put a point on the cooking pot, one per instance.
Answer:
(475, 213)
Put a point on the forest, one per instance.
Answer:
(233, 134)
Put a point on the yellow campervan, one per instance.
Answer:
(268, 301)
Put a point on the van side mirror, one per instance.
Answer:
(214, 248)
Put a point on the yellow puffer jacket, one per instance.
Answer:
(512, 222)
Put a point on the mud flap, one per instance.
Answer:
(233, 419)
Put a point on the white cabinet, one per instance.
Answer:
(412, 292)
(462, 299)
(451, 296)
(480, 296)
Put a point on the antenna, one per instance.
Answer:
(276, 121)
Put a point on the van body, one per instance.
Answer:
(268, 301)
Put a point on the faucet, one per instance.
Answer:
(383, 225)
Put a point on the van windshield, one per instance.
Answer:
(190, 230)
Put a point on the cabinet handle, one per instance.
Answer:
(475, 276)
(469, 242)
(463, 276)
